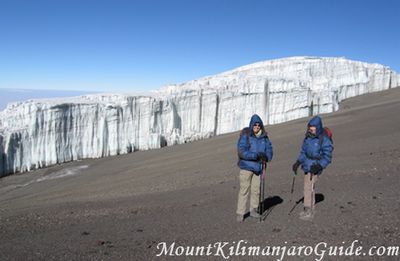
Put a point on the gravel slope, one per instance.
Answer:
(120, 208)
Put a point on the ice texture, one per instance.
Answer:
(39, 133)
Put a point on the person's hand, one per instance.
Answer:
(295, 166)
(262, 157)
(316, 168)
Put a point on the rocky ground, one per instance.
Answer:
(123, 207)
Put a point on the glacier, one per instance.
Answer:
(44, 132)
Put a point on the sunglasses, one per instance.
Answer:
(257, 124)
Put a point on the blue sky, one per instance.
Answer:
(140, 45)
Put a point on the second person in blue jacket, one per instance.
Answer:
(315, 155)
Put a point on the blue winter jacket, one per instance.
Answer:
(249, 146)
(315, 150)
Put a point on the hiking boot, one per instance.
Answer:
(307, 214)
(240, 218)
(254, 213)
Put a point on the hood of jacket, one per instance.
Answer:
(254, 119)
(316, 122)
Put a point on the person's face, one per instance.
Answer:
(312, 130)
(256, 127)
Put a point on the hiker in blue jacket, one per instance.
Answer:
(315, 155)
(253, 149)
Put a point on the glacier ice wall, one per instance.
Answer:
(39, 133)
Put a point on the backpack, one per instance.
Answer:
(326, 132)
(244, 131)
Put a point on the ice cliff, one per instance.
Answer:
(38, 133)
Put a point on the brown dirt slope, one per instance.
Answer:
(120, 208)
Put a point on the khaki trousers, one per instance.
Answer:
(249, 184)
(309, 190)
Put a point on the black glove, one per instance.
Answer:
(262, 157)
(295, 166)
(316, 168)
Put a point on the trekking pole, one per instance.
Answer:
(292, 189)
(262, 190)
(295, 205)
(312, 191)
(291, 197)
(259, 195)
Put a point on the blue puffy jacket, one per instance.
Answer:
(315, 149)
(249, 146)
